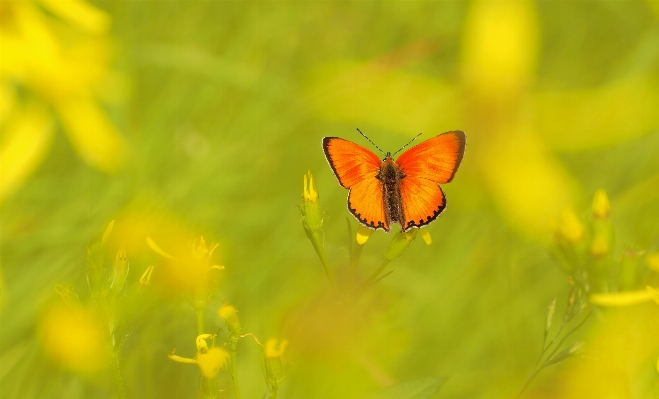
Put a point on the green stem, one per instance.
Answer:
(354, 259)
(273, 393)
(371, 280)
(234, 370)
(116, 373)
(320, 250)
(200, 320)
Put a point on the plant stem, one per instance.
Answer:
(116, 373)
(377, 272)
(200, 319)
(320, 250)
(234, 370)
(273, 393)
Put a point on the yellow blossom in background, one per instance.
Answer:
(274, 348)
(570, 226)
(73, 338)
(60, 58)
(210, 360)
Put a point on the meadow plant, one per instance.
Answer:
(598, 278)
(312, 221)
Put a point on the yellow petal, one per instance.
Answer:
(72, 338)
(27, 137)
(181, 359)
(425, 234)
(212, 361)
(92, 134)
(157, 249)
(500, 46)
(80, 13)
(622, 298)
(363, 233)
(273, 348)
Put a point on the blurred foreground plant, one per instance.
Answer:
(55, 68)
(87, 338)
(597, 276)
(215, 359)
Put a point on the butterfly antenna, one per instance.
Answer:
(360, 132)
(403, 147)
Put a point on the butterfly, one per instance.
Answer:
(405, 191)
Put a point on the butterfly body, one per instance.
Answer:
(403, 191)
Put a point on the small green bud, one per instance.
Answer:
(311, 215)
(273, 362)
(119, 272)
(230, 316)
(400, 243)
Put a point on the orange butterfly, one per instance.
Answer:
(404, 191)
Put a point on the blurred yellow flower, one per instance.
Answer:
(652, 260)
(73, 338)
(601, 205)
(274, 348)
(210, 361)
(56, 53)
(570, 226)
(190, 269)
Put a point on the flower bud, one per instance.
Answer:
(601, 207)
(400, 243)
(119, 272)
(230, 316)
(310, 210)
(570, 226)
(273, 360)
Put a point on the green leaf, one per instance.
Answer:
(424, 388)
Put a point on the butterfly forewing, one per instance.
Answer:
(413, 196)
(350, 162)
(436, 159)
(356, 168)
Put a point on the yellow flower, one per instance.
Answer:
(230, 316)
(274, 348)
(210, 361)
(652, 260)
(60, 57)
(190, 269)
(73, 338)
(310, 193)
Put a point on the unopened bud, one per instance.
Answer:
(601, 205)
(400, 243)
(310, 209)
(230, 316)
(119, 272)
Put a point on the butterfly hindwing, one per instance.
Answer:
(422, 200)
(350, 162)
(436, 159)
